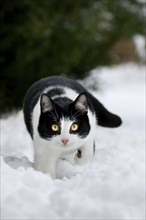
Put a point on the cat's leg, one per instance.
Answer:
(46, 162)
(70, 157)
(85, 153)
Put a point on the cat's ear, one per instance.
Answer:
(46, 103)
(81, 103)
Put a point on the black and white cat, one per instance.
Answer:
(61, 116)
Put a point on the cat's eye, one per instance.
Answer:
(74, 127)
(55, 127)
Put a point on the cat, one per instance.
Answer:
(61, 117)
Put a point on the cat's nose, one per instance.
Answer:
(64, 141)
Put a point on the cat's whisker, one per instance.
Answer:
(76, 115)
(74, 118)
(52, 114)
(56, 113)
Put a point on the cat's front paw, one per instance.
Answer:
(70, 157)
(75, 157)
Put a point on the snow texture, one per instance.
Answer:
(111, 186)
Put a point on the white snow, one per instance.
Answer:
(112, 186)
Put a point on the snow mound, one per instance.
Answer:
(112, 186)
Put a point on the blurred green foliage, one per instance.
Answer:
(42, 38)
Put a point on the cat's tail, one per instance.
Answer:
(104, 117)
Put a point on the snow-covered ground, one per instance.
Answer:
(112, 186)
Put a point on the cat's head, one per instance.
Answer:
(64, 122)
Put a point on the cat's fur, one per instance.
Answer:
(63, 102)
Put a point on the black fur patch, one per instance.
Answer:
(56, 91)
(45, 123)
(79, 154)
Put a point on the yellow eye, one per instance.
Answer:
(55, 127)
(74, 127)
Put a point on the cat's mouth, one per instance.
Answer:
(68, 145)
